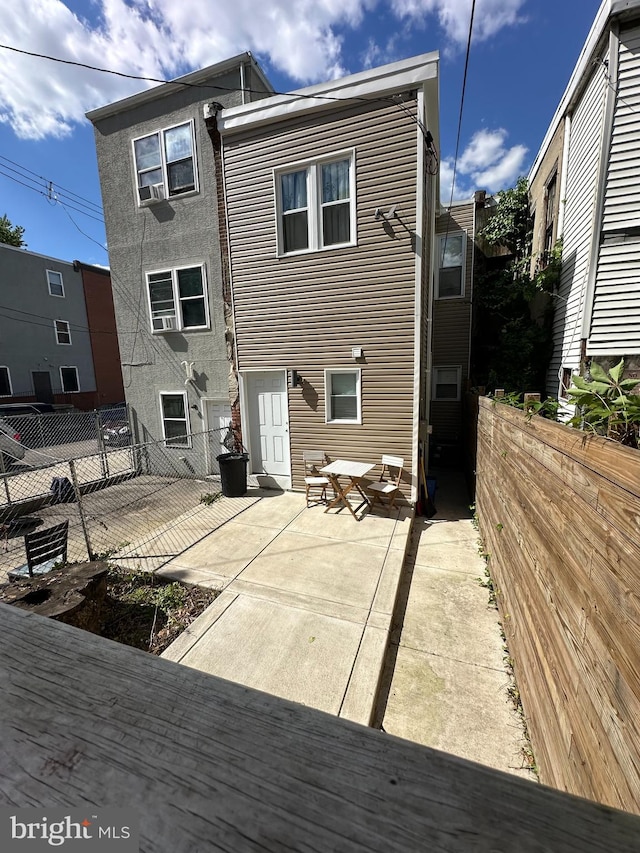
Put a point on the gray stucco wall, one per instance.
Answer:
(27, 335)
(176, 232)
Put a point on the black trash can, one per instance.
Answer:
(233, 474)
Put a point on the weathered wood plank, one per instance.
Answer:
(212, 765)
(559, 516)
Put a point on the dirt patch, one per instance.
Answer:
(148, 612)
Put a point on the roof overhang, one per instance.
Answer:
(195, 78)
(608, 10)
(384, 80)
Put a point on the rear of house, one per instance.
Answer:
(330, 198)
(158, 176)
(453, 295)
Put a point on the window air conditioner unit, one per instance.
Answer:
(164, 324)
(150, 195)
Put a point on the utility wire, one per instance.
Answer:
(455, 158)
(464, 86)
(46, 193)
(209, 86)
(48, 182)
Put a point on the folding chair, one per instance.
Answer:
(44, 548)
(389, 484)
(314, 459)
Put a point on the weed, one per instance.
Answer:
(513, 692)
(209, 498)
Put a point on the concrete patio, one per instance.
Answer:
(307, 601)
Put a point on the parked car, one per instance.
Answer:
(10, 446)
(9, 409)
(115, 426)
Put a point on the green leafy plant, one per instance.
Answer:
(606, 405)
(513, 340)
(209, 498)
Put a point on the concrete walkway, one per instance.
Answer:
(445, 683)
(307, 601)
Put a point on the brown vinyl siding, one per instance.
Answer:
(307, 311)
(451, 326)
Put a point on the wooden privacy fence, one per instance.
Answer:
(559, 513)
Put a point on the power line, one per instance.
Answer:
(46, 193)
(464, 86)
(48, 182)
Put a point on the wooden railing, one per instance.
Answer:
(559, 516)
(211, 765)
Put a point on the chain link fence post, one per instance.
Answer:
(83, 522)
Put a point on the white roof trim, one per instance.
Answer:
(608, 10)
(385, 78)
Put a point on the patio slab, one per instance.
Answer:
(307, 602)
(295, 654)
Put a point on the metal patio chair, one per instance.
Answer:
(44, 549)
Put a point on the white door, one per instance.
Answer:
(268, 422)
(218, 418)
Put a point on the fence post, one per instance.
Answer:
(104, 464)
(3, 470)
(499, 393)
(83, 522)
(529, 399)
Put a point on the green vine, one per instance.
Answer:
(513, 325)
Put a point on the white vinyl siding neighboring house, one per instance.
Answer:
(579, 222)
(597, 305)
(615, 323)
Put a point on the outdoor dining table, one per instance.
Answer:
(354, 472)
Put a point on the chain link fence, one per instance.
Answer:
(138, 505)
(39, 440)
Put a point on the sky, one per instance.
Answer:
(522, 55)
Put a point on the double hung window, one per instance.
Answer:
(175, 418)
(316, 205)
(178, 299)
(343, 402)
(54, 281)
(166, 160)
(63, 332)
(446, 383)
(451, 249)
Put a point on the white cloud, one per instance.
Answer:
(485, 164)
(489, 18)
(161, 39)
(166, 38)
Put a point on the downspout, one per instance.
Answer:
(210, 119)
(418, 303)
(242, 83)
(605, 151)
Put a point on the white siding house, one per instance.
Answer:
(597, 311)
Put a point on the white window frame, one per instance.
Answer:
(314, 202)
(55, 272)
(187, 422)
(10, 394)
(463, 272)
(61, 331)
(332, 371)
(177, 302)
(163, 162)
(69, 367)
(435, 383)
